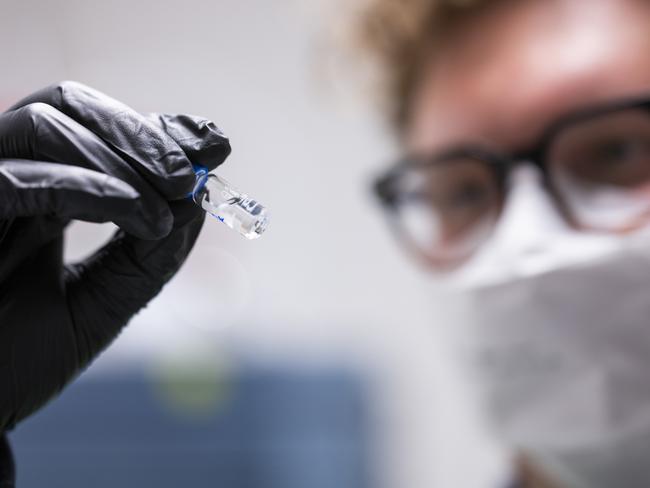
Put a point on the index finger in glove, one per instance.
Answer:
(151, 152)
(199, 138)
(40, 132)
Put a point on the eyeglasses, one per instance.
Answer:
(595, 165)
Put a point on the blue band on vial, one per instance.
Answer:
(199, 170)
(201, 173)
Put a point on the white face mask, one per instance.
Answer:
(555, 328)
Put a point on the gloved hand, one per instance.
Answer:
(70, 152)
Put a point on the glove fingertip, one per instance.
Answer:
(199, 138)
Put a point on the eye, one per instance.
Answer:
(613, 150)
(614, 153)
(620, 162)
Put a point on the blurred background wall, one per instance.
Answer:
(325, 289)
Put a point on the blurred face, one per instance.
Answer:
(499, 78)
(507, 82)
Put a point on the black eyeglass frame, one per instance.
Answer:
(386, 190)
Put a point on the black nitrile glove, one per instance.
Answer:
(69, 152)
(7, 471)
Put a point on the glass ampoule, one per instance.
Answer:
(232, 207)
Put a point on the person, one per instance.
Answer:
(525, 189)
(70, 152)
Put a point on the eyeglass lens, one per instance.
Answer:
(444, 209)
(600, 171)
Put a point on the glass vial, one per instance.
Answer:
(232, 207)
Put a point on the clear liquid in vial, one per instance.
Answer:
(232, 207)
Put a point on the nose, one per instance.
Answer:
(530, 218)
(531, 237)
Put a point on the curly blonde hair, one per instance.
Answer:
(398, 34)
